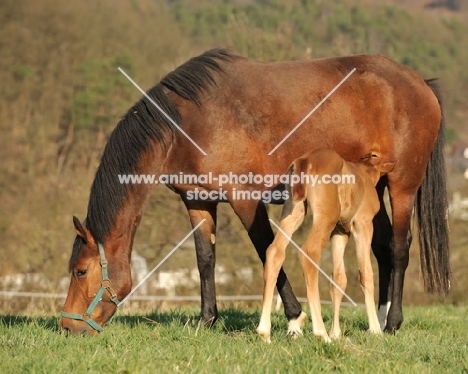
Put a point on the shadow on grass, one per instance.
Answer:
(349, 325)
(48, 323)
(229, 319)
(175, 316)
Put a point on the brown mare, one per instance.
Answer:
(339, 209)
(237, 110)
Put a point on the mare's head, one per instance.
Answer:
(99, 281)
(100, 261)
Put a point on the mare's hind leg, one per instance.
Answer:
(206, 255)
(254, 217)
(275, 256)
(363, 236)
(338, 244)
(402, 208)
(381, 247)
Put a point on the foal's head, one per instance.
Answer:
(376, 166)
(99, 281)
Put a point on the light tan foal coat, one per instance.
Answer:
(338, 210)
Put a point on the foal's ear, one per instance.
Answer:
(82, 231)
(384, 166)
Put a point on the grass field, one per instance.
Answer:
(432, 339)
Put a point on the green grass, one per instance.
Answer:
(432, 339)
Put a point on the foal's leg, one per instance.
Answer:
(254, 217)
(206, 255)
(316, 241)
(363, 236)
(338, 244)
(275, 256)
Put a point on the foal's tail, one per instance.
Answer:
(431, 211)
(297, 191)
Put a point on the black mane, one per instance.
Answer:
(137, 131)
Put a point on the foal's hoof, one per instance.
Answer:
(295, 326)
(334, 335)
(375, 331)
(264, 335)
(324, 337)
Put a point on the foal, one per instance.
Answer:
(338, 210)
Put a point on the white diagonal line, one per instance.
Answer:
(161, 262)
(313, 262)
(312, 111)
(163, 112)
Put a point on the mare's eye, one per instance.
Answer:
(80, 272)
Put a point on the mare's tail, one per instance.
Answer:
(431, 211)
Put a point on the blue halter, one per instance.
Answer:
(105, 286)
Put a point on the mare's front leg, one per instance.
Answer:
(206, 255)
(338, 245)
(254, 217)
(275, 256)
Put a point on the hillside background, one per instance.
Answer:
(61, 95)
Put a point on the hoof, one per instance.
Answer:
(382, 314)
(295, 326)
(335, 334)
(265, 335)
(203, 322)
(393, 327)
(294, 334)
(391, 331)
(375, 331)
(324, 337)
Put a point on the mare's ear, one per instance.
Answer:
(82, 231)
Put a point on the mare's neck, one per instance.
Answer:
(119, 241)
